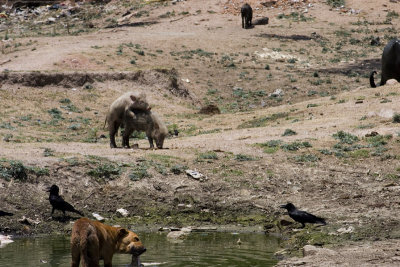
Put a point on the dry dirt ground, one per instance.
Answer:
(296, 108)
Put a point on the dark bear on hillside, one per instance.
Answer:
(247, 16)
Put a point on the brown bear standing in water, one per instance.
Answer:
(92, 241)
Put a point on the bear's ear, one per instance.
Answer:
(122, 232)
(133, 98)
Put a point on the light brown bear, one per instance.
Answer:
(92, 241)
(115, 115)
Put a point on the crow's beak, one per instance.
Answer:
(283, 206)
(48, 189)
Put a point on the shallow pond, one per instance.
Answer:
(199, 249)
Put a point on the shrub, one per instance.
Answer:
(105, 170)
(13, 170)
(345, 138)
(289, 132)
(208, 155)
(243, 157)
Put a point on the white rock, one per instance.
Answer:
(123, 212)
(98, 217)
(4, 240)
(277, 93)
(345, 230)
(391, 82)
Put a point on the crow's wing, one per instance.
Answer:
(305, 217)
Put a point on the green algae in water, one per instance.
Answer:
(198, 249)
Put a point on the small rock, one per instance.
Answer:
(196, 175)
(345, 230)
(277, 93)
(123, 212)
(51, 20)
(98, 217)
(177, 235)
(391, 82)
(28, 221)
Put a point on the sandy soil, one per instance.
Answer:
(319, 57)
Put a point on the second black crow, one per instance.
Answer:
(58, 203)
(302, 216)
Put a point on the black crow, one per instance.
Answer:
(5, 213)
(302, 216)
(58, 203)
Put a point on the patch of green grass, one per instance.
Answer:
(345, 138)
(396, 118)
(48, 152)
(361, 153)
(178, 169)
(306, 158)
(12, 169)
(103, 168)
(312, 105)
(271, 146)
(55, 113)
(6, 125)
(208, 155)
(263, 121)
(295, 146)
(289, 132)
(139, 172)
(243, 157)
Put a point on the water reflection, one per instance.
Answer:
(199, 249)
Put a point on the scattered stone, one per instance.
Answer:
(196, 175)
(179, 235)
(28, 221)
(359, 101)
(345, 230)
(277, 93)
(5, 240)
(391, 82)
(261, 21)
(123, 212)
(210, 109)
(98, 217)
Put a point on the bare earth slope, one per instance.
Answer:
(299, 122)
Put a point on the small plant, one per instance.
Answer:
(312, 105)
(11, 169)
(295, 146)
(345, 138)
(65, 101)
(55, 113)
(178, 169)
(289, 132)
(208, 155)
(243, 157)
(105, 170)
(139, 172)
(306, 158)
(48, 152)
(396, 118)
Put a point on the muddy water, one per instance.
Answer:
(199, 249)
